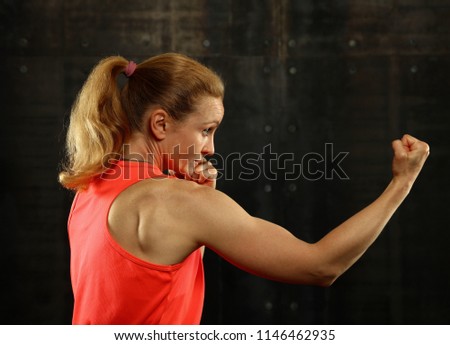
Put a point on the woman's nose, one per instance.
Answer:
(208, 149)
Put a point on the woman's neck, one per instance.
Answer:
(138, 148)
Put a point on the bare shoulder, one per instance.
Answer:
(160, 220)
(194, 212)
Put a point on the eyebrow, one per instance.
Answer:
(213, 121)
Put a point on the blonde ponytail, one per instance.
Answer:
(103, 118)
(98, 125)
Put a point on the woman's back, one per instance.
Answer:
(114, 284)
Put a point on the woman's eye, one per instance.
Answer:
(206, 131)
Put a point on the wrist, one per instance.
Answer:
(400, 187)
(403, 182)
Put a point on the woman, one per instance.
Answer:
(136, 233)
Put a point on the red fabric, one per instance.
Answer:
(110, 285)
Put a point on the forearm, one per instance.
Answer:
(345, 244)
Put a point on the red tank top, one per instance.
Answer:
(110, 285)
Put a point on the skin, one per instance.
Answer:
(170, 218)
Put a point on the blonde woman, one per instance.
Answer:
(136, 233)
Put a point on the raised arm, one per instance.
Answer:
(268, 250)
(345, 244)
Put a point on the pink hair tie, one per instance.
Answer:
(129, 70)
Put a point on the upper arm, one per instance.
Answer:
(253, 244)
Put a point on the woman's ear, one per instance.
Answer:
(157, 123)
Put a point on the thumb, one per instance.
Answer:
(399, 149)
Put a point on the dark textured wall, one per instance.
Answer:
(299, 74)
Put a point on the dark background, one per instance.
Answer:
(299, 74)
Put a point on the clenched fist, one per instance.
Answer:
(204, 173)
(410, 155)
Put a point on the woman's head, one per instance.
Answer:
(103, 117)
(171, 81)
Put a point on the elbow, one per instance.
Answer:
(326, 281)
(326, 277)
